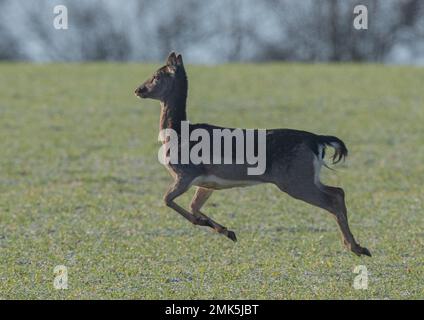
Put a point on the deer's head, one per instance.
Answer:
(165, 80)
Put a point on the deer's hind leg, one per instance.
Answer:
(333, 201)
(339, 211)
(200, 197)
(305, 185)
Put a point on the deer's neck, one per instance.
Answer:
(173, 110)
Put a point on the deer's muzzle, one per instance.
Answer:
(140, 92)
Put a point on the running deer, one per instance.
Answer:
(293, 160)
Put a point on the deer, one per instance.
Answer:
(293, 163)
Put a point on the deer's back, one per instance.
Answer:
(283, 147)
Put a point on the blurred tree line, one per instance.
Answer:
(212, 31)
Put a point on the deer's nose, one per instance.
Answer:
(139, 91)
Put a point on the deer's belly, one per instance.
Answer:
(214, 182)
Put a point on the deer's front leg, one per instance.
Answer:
(200, 197)
(179, 187)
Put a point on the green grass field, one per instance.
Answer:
(81, 186)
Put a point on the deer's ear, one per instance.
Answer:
(179, 60)
(172, 59)
(171, 69)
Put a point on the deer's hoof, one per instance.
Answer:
(366, 252)
(231, 235)
(361, 251)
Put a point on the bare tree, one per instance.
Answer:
(323, 30)
(215, 31)
(9, 49)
